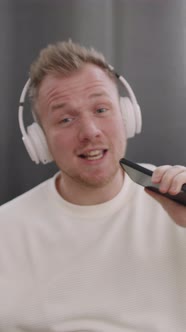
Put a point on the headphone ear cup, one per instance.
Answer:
(30, 148)
(128, 115)
(131, 115)
(36, 144)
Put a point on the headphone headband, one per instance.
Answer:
(132, 97)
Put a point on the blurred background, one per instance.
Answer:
(145, 40)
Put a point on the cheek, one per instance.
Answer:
(117, 129)
(57, 142)
(119, 139)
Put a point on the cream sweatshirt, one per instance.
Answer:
(119, 266)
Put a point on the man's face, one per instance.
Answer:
(82, 121)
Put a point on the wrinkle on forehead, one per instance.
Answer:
(89, 79)
(87, 73)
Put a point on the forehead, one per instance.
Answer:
(82, 80)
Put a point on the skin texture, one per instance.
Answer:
(80, 115)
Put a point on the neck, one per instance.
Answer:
(84, 195)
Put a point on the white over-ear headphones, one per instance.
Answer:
(34, 138)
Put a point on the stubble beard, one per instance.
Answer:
(93, 180)
(97, 180)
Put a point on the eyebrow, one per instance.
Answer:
(57, 106)
(98, 94)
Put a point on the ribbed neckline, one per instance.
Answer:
(89, 211)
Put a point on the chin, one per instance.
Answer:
(98, 180)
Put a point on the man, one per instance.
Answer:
(90, 250)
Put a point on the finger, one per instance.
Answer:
(172, 178)
(171, 181)
(159, 172)
(178, 180)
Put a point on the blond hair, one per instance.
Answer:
(63, 58)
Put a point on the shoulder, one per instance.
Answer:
(25, 203)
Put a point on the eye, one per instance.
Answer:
(65, 121)
(101, 110)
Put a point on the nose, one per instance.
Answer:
(88, 130)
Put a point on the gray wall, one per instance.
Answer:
(145, 40)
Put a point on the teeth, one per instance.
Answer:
(93, 155)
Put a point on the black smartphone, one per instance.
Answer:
(142, 176)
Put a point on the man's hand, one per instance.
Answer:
(170, 180)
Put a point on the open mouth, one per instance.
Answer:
(93, 155)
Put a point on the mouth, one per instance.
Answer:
(93, 154)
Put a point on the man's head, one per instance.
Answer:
(77, 102)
